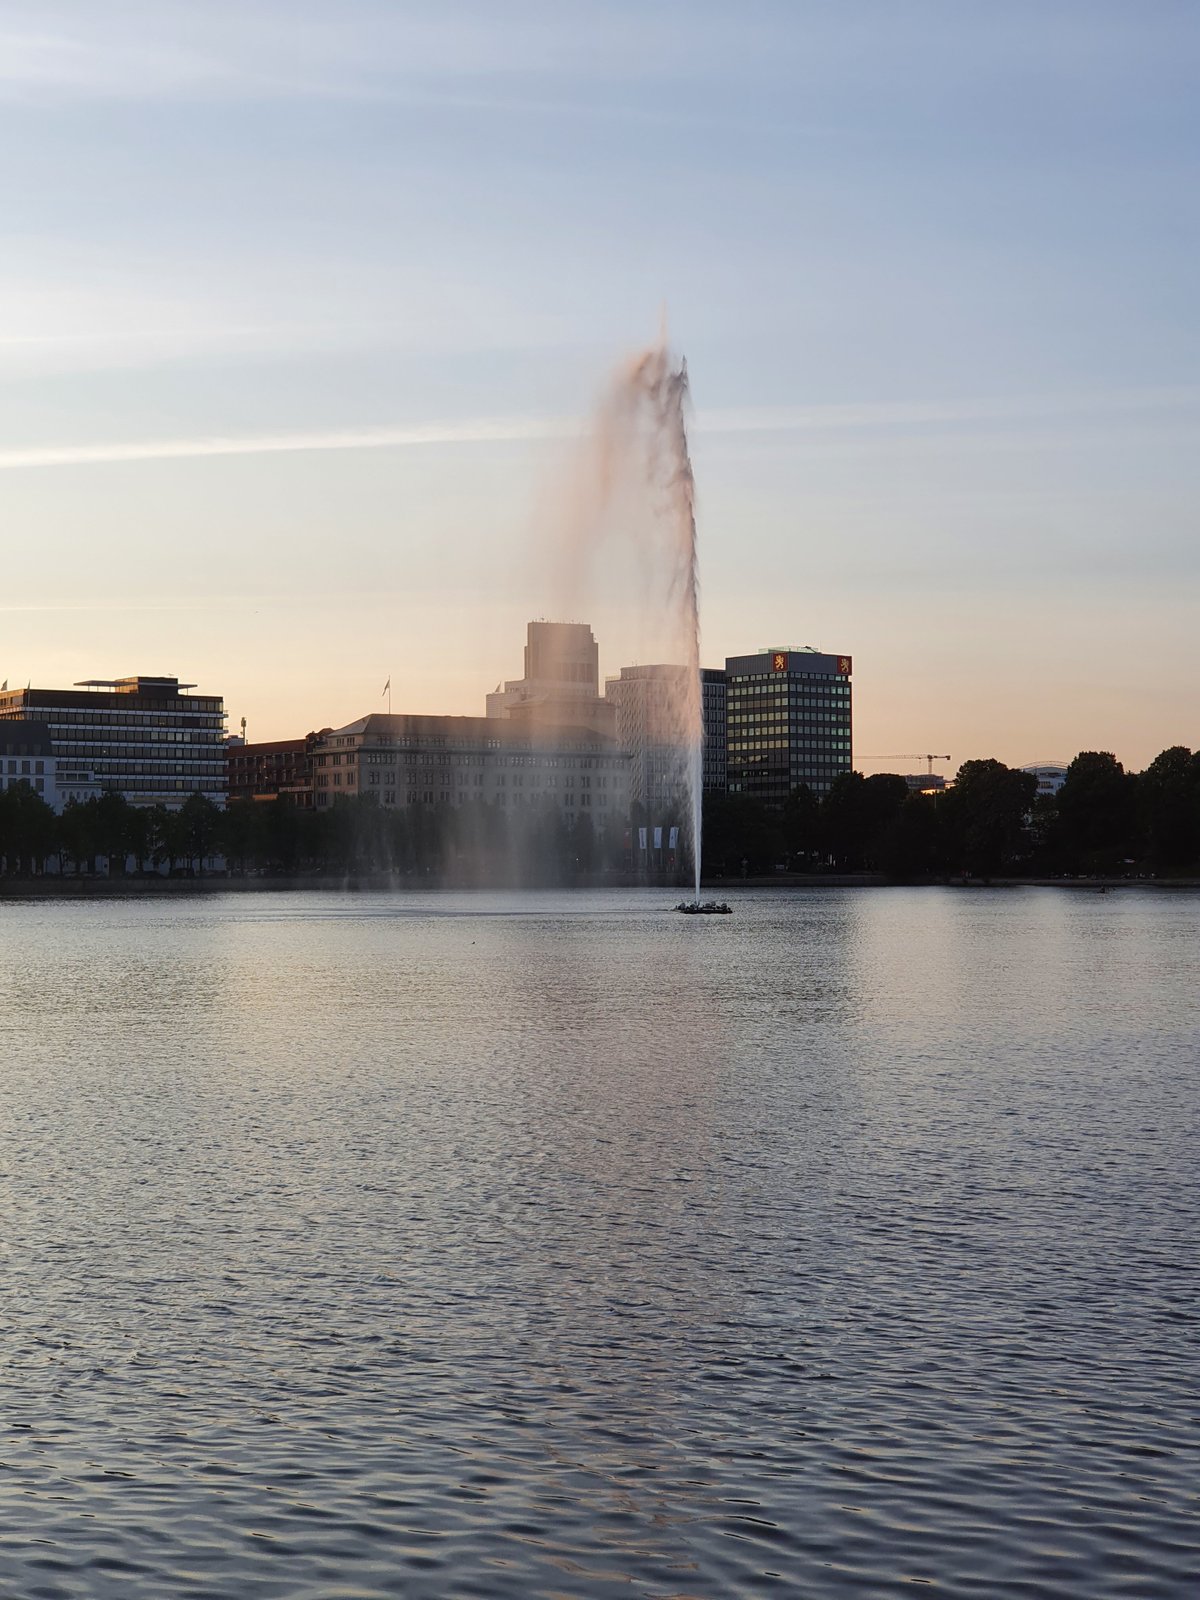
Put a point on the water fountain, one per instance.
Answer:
(639, 479)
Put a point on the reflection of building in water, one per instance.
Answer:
(515, 764)
(789, 722)
(1050, 775)
(650, 707)
(561, 684)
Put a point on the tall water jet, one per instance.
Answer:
(637, 486)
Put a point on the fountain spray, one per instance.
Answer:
(639, 442)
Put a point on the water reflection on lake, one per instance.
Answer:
(558, 1245)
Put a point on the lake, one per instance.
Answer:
(557, 1245)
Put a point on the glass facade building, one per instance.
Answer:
(151, 739)
(713, 697)
(788, 722)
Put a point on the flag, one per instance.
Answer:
(3, 686)
(386, 687)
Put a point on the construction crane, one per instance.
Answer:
(907, 755)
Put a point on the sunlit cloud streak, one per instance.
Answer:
(518, 430)
(499, 430)
(67, 51)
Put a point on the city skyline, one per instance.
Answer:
(298, 318)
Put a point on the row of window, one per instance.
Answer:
(499, 780)
(779, 791)
(794, 683)
(818, 719)
(182, 757)
(734, 682)
(387, 758)
(742, 746)
(138, 736)
(169, 786)
(423, 741)
(115, 767)
(749, 765)
(446, 797)
(781, 702)
(124, 719)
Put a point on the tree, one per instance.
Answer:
(112, 829)
(1095, 809)
(240, 834)
(138, 830)
(986, 816)
(912, 845)
(28, 829)
(856, 816)
(79, 835)
(800, 827)
(199, 821)
(288, 838)
(1168, 795)
(739, 831)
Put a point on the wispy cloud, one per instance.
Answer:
(496, 430)
(175, 49)
(862, 417)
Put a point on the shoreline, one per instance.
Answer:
(58, 888)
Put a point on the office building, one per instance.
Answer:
(561, 686)
(273, 769)
(652, 712)
(450, 761)
(714, 693)
(154, 740)
(27, 758)
(925, 782)
(789, 722)
(1050, 775)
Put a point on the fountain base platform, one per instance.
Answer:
(704, 908)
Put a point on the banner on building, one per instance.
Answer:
(658, 838)
(642, 838)
(674, 839)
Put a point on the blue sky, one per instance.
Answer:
(933, 267)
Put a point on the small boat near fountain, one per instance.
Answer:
(704, 908)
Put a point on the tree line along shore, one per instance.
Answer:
(1104, 822)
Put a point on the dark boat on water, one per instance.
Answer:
(704, 908)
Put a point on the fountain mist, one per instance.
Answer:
(638, 485)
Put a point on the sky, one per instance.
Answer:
(302, 304)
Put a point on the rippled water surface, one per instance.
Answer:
(562, 1246)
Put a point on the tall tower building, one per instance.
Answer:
(561, 686)
(789, 722)
(651, 716)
